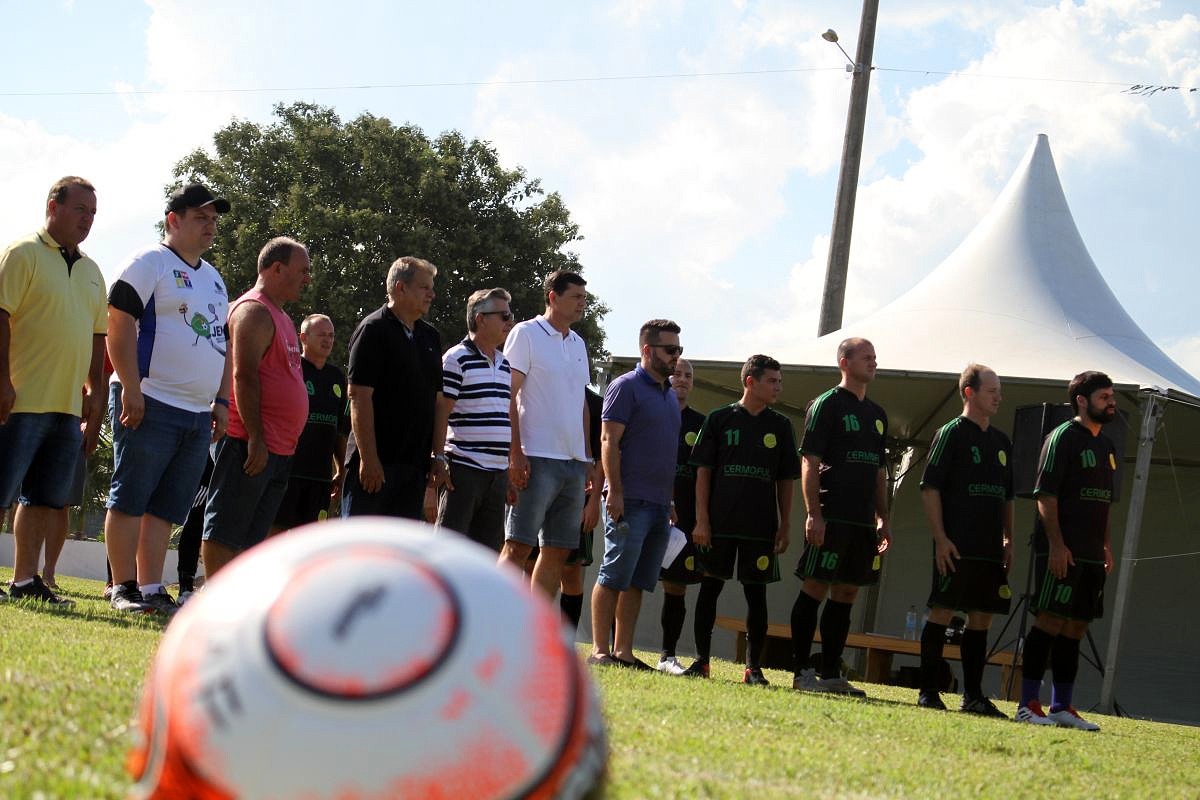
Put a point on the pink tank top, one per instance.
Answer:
(283, 398)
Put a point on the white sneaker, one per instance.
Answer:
(841, 686)
(1033, 714)
(807, 681)
(670, 665)
(183, 597)
(1069, 718)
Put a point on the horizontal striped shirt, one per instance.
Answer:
(479, 433)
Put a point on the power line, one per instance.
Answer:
(428, 85)
(1127, 87)
(1131, 88)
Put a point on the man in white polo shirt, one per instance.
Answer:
(550, 464)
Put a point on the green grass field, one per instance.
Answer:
(71, 681)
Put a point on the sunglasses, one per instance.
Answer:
(670, 349)
(504, 315)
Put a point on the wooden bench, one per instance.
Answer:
(879, 649)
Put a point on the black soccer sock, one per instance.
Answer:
(804, 627)
(974, 655)
(933, 637)
(756, 622)
(706, 615)
(673, 614)
(189, 548)
(1033, 663)
(1064, 664)
(835, 626)
(571, 606)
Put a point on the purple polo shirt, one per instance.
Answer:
(650, 413)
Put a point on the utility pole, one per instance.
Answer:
(834, 298)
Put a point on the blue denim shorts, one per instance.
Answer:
(242, 507)
(157, 466)
(38, 454)
(634, 548)
(549, 510)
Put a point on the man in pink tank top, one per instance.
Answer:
(267, 408)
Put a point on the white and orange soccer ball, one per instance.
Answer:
(369, 658)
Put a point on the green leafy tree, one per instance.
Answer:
(362, 193)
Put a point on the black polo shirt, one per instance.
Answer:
(747, 454)
(970, 467)
(1077, 469)
(848, 435)
(406, 376)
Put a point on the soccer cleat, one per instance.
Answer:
(51, 584)
(161, 603)
(698, 669)
(840, 685)
(37, 591)
(670, 665)
(1069, 718)
(807, 681)
(126, 597)
(3, 596)
(930, 700)
(981, 706)
(1033, 714)
(754, 677)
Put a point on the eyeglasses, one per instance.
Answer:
(504, 315)
(670, 349)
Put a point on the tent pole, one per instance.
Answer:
(1151, 410)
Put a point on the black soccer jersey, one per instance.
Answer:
(328, 417)
(848, 435)
(970, 467)
(747, 453)
(685, 474)
(1077, 468)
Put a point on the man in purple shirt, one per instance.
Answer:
(640, 429)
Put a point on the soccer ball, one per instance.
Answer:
(368, 658)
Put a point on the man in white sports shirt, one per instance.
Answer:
(169, 397)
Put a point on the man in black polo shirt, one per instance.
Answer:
(967, 492)
(684, 570)
(1073, 549)
(317, 466)
(844, 482)
(746, 463)
(395, 380)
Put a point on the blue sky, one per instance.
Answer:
(705, 199)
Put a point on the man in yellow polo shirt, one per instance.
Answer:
(53, 319)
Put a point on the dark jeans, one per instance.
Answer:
(476, 506)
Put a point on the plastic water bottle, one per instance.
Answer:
(910, 623)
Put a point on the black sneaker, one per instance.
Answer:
(161, 602)
(754, 677)
(3, 596)
(930, 700)
(698, 669)
(36, 590)
(981, 706)
(636, 664)
(128, 598)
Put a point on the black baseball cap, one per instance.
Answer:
(196, 195)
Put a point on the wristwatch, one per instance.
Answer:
(441, 457)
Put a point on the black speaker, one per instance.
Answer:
(1031, 425)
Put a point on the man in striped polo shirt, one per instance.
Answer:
(472, 431)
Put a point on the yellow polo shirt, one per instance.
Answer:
(53, 315)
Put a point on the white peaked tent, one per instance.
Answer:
(1022, 295)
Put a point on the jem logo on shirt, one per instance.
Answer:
(182, 279)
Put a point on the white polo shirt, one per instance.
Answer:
(550, 403)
